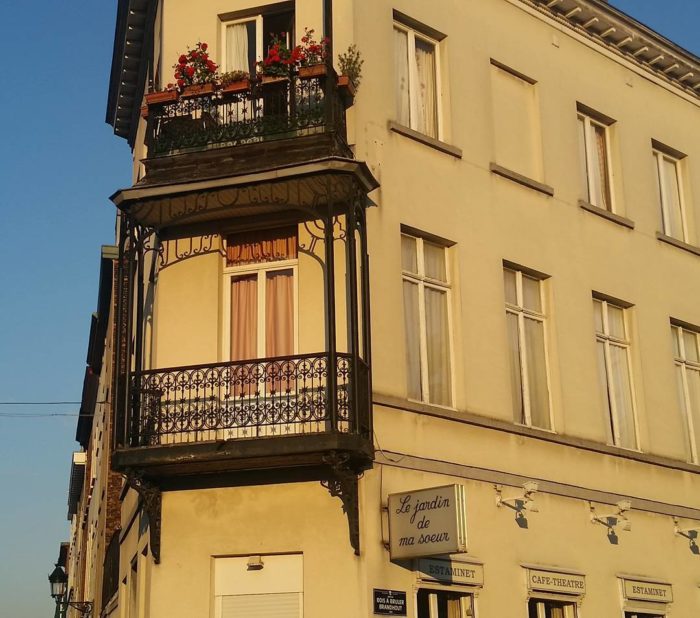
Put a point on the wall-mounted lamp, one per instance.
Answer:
(691, 534)
(523, 501)
(255, 563)
(614, 520)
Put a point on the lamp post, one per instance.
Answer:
(59, 584)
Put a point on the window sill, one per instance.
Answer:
(530, 183)
(425, 139)
(606, 214)
(678, 243)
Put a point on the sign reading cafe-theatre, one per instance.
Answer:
(427, 522)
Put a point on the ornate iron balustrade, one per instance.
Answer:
(289, 107)
(250, 399)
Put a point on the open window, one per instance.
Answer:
(245, 36)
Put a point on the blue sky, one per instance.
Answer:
(59, 162)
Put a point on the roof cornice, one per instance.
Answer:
(617, 31)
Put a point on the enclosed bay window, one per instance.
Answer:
(245, 37)
(615, 371)
(594, 157)
(426, 301)
(526, 318)
(545, 608)
(670, 191)
(441, 603)
(417, 68)
(260, 294)
(686, 352)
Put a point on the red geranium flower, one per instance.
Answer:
(189, 71)
(204, 46)
(182, 59)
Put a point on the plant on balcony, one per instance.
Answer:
(195, 72)
(234, 81)
(280, 60)
(350, 64)
(313, 55)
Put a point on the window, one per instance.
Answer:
(538, 608)
(417, 66)
(260, 298)
(640, 615)
(594, 156)
(615, 372)
(444, 604)
(525, 315)
(244, 40)
(669, 183)
(426, 302)
(516, 121)
(686, 352)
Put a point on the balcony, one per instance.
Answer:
(248, 415)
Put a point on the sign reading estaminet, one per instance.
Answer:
(427, 522)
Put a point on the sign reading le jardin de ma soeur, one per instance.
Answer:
(427, 522)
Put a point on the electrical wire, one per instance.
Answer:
(39, 403)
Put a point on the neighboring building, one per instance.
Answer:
(517, 430)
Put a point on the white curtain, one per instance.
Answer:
(412, 322)
(237, 48)
(438, 348)
(401, 69)
(426, 89)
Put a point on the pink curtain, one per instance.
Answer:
(244, 331)
(279, 326)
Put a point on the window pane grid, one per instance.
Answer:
(528, 350)
(689, 385)
(616, 372)
(427, 322)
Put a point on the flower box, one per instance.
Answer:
(158, 98)
(346, 89)
(273, 79)
(314, 70)
(197, 90)
(240, 85)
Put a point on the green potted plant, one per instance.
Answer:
(234, 82)
(350, 64)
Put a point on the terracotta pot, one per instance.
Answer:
(158, 98)
(346, 89)
(240, 85)
(315, 70)
(197, 90)
(144, 111)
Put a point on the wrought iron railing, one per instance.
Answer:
(289, 107)
(250, 399)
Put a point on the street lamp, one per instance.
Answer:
(59, 585)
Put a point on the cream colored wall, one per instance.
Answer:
(492, 219)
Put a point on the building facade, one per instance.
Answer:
(431, 349)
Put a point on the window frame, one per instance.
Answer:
(260, 269)
(412, 33)
(259, 31)
(463, 591)
(422, 281)
(590, 121)
(521, 312)
(570, 609)
(659, 156)
(607, 340)
(682, 362)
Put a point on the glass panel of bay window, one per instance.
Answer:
(434, 258)
(510, 287)
(515, 369)
(279, 313)
(409, 254)
(438, 346)
(622, 386)
(403, 101)
(537, 374)
(412, 325)
(244, 317)
(532, 299)
(426, 88)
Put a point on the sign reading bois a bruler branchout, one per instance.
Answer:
(427, 522)
(389, 602)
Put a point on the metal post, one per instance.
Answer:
(331, 343)
(129, 316)
(352, 312)
(138, 342)
(366, 326)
